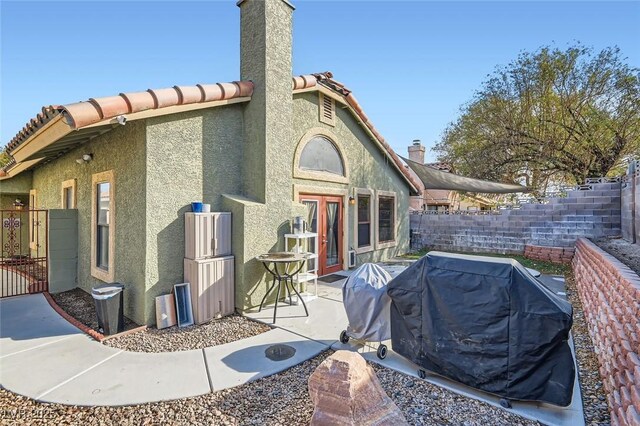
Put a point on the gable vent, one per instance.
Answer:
(327, 110)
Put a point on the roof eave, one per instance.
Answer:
(18, 168)
(59, 128)
(45, 136)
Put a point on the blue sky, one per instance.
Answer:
(410, 64)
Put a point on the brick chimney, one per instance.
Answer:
(416, 151)
(265, 59)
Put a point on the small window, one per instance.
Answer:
(104, 204)
(364, 221)
(386, 216)
(321, 155)
(69, 194)
(103, 226)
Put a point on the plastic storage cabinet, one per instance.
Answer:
(212, 289)
(208, 264)
(207, 235)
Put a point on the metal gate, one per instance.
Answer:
(23, 258)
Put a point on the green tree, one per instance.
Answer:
(4, 158)
(549, 116)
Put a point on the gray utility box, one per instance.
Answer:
(207, 235)
(109, 307)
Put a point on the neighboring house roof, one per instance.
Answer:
(81, 121)
(437, 196)
(444, 167)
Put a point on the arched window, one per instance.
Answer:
(321, 155)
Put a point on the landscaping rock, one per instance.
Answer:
(346, 391)
(216, 332)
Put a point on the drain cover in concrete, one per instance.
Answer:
(279, 352)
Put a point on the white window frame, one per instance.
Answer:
(372, 227)
(71, 183)
(394, 242)
(96, 272)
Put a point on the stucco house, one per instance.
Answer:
(266, 148)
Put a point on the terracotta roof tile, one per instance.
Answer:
(139, 101)
(229, 90)
(246, 88)
(212, 92)
(33, 125)
(304, 82)
(189, 94)
(110, 106)
(80, 114)
(164, 97)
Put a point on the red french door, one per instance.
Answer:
(325, 218)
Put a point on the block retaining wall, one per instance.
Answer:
(610, 295)
(593, 213)
(549, 254)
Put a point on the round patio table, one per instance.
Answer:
(278, 265)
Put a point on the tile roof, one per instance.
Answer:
(326, 79)
(444, 167)
(95, 110)
(81, 114)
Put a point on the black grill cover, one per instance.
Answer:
(485, 322)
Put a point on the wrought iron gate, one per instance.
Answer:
(23, 258)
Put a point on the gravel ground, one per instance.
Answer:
(594, 399)
(281, 399)
(216, 332)
(624, 251)
(80, 305)
(425, 404)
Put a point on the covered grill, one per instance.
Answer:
(485, 322)
(366, 303)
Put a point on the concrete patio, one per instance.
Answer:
(327, 318)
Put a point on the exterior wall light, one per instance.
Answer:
(85, 159)
(352, 200)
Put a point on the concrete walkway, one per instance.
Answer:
(44, 357)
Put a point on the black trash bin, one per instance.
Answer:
(109, 307)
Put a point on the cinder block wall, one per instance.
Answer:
(630, 204)
(610, 295)
(591, 213)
